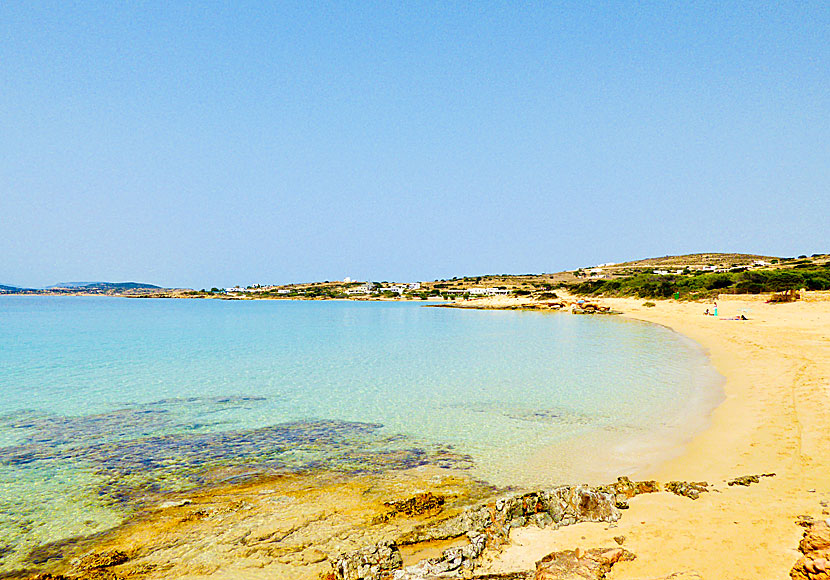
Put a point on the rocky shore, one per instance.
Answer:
(295, 528)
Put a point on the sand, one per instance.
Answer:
(775, 418)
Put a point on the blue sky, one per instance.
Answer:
(230, 143)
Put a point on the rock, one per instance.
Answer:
(748, 479)
(413, 506)
(542, 520)
(627, 489)
(816, 537)
(592, 564)
(312, 556)
(619, 539)
(690, 489)
(105, 559)
(453, 561)
(172, 504)
(99, 574)
(744, 480)
(373, 563)
(624, 489)
(815, 545)
(559, 506)
(473, 519)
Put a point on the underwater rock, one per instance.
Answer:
(102, 560)
(413, 506)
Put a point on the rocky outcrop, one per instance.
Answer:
(454, 562)
(371, 563)
(484, 525)
(815, 545)
(560, 506)
(624, 489)
(690, 489)
(576, 564)
(748, 479)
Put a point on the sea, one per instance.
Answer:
(108, 403)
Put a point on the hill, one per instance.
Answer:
(704, 275)
(105, 286)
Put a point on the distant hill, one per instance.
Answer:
(106, 286)
(696, 260)
(9, 288)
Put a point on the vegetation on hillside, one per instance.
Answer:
(700, 285)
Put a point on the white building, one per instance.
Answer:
(488, 291)
(415, 286)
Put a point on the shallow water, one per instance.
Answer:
(106, 403)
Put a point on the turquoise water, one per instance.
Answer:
(107, 402)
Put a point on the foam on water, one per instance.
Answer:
(106, 402)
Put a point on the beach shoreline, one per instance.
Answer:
(774, 418)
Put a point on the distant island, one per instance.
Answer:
(73, 288)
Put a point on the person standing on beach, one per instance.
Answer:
(715, 313)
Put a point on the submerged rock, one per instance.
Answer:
(102, 560)
(413, 506)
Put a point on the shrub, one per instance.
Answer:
(649, 304)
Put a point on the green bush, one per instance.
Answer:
(703, 285)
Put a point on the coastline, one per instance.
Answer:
(774, 418)
(609, 452)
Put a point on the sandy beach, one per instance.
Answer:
(775, 418)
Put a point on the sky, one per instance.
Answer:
(221, 143)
